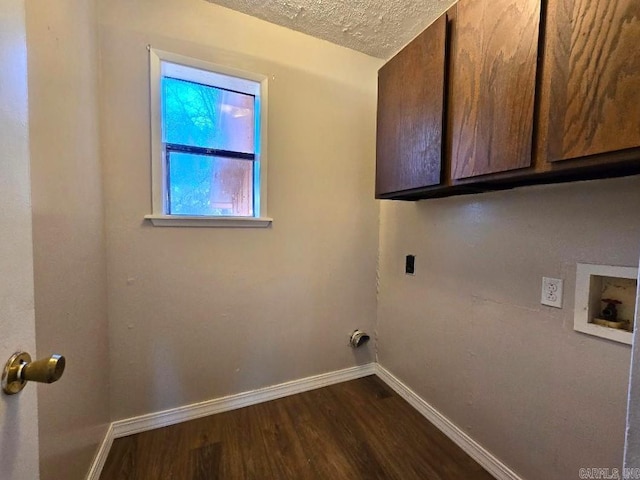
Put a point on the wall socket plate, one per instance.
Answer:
(551, 292)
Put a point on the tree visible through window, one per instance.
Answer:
(207, 126)
(209, 137)
(208, 132)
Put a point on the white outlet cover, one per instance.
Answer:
(551, 292)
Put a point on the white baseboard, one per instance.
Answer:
(101, 455)
(485, 458)
(130, 426)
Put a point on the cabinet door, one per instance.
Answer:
(493, 75)
(410, 114)
(591, 82)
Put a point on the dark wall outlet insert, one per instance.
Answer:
(410, 265)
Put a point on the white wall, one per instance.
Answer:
(200, 313)
(469, 335)
(68, 232)
(18, 413)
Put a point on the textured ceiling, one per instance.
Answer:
(375, 27)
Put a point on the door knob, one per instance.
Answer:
(20, 369)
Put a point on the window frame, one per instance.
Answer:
(159, 187)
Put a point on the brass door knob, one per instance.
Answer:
(20, 369)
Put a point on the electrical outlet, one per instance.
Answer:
(410, 265)
(551, 292)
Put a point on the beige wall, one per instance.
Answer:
(195, 314)
(68, 233)
(469, 335)
(18, 419)
(200, 313)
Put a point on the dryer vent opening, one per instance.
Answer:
(358, 338)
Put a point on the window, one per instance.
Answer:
(208, 131)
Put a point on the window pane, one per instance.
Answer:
(209, 117)
(205, 185)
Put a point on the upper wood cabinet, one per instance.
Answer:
(494, 46)
(410, 114)
(590, 90)
(535, 91)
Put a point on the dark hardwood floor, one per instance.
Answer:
(354, 430)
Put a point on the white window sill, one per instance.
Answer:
(216, 222)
